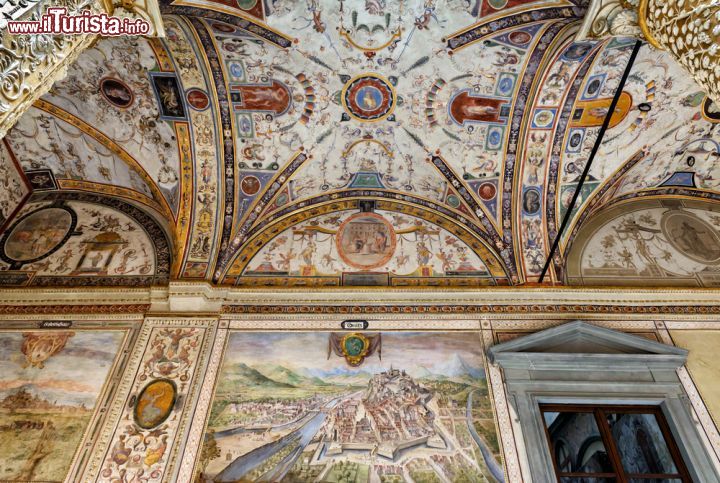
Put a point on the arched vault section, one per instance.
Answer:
(83, 239)
(365, 242)
(667, 241)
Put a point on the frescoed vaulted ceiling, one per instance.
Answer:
(366, 142)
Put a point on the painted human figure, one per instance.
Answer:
(380, 242)
(690, 237)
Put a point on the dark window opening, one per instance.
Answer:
(618, 444)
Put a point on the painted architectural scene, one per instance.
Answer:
(50, 383)
(415, 408)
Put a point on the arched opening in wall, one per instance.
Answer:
(660, 241)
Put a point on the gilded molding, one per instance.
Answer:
(689, 32)
(606, 18)
(31, 64)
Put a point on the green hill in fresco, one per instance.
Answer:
(284, 375)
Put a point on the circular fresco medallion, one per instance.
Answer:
(116, 92)
(250, 185)
(711, 110)
(38, 235)
(691, 236)
(365, 241)
(353, 346)
(368, 98)
(487, 191)
(155, 403)
(197, 99)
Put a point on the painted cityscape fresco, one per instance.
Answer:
(287, 408)
(49, 384)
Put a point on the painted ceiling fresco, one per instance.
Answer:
(367, 142)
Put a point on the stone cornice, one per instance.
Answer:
(203, 298)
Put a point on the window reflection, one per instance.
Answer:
(579, 436)
(641, 444)
(623, 444)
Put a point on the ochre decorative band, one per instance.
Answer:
(642, 22)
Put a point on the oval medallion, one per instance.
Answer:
(155, 403)
(197, 99)
(693, 237)
(38, 235)
(116, 92)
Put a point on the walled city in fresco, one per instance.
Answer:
(416, 409)
(50, 382)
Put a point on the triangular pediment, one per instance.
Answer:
(582, 338)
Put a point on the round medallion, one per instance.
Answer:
(453, 201)
(365, 241)
(197, 99)
(116, 92)
(250, 185)
(368, 98)
(37, 235)
(355, 348)
(155, 403)
(691, 236)
(487, 191)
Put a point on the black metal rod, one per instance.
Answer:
(596, 146)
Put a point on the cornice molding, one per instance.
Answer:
(203, 298)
